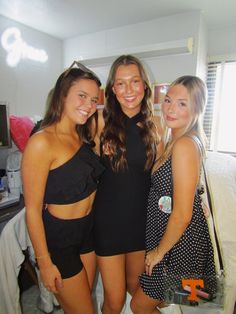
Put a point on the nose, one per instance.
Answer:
(129, 88)
(88, 103)
(91, 100)
(171, 107)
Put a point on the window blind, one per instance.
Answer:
(212, 117)
(213, 70)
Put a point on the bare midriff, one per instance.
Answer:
(72, 211)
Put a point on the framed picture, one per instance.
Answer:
(159, 92)
(101, 98)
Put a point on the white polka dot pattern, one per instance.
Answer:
(191, 255)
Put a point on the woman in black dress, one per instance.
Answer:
(60, 174)
(177, 235)
(128, 149)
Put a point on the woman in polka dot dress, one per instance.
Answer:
(177, 236)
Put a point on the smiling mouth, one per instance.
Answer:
(168, 118)
(83, 113)
(130, 99)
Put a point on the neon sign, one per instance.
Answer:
(18, 49)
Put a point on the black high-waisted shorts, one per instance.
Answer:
(66, 240)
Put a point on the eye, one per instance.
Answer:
(183, 104)
(94, 101)
(119, 84)
(83, 96)
(167, 100)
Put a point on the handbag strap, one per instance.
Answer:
(215, 233)
(200, 146)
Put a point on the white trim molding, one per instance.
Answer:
(183, 46)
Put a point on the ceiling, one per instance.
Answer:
(68, 18)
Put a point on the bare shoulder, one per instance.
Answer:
(185, 150)
(39, 149)
(185, 144)
(40, 142)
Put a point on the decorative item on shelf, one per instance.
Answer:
(3, 186)
(13, 173)
(101, 100)
(20, 129)
(159, 92)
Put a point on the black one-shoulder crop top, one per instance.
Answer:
(74, 180)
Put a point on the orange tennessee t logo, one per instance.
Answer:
(190, 286)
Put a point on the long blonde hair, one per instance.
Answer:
(198, 94)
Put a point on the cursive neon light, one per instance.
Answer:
(18, 49)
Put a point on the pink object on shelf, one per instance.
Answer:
(20, 129)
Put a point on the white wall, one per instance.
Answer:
(161, 69)
(25, 87)
(201, 64)
(222, 41)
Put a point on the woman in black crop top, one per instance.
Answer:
(128, 149)
(60, 175)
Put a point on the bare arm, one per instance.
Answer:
(185, 168)
(35, 167)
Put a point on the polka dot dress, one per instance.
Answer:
(191, 256)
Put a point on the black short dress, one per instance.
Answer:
(121, 199)
(191, 255)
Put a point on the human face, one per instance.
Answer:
(176, 109)
(81, 101)
(129, 88)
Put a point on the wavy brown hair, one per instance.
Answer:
(56, 101)
(113, 136)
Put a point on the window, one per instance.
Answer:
(220, 114)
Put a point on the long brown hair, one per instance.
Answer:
(57, 98)
(113, 134)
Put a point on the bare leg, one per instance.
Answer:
(134, 267)
(112, 270)
(75, 296)
(89, 262)
(143, 304)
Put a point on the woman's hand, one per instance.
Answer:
(51, 278)
(153, 257)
